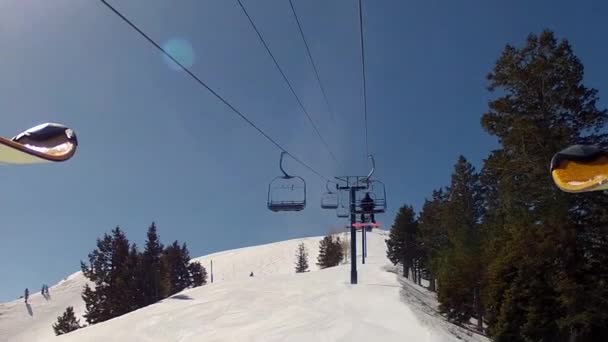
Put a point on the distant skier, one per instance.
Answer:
(26, 295)
(45, 291)
(251, 274)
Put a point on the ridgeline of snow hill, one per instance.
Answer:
(274, 305)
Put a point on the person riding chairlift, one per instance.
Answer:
(367, 206)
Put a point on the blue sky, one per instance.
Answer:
(154, 146)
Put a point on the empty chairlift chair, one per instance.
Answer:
(329, 200)
(286, 193)
(343, 210)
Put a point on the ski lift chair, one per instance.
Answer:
(286, 193)
(343, 210)
(330, 199)
(374, 199)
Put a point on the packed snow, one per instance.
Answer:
(274, 305)
(33, 321)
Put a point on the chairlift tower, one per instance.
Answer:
(374, 188)
(288, 193)
(352, 184)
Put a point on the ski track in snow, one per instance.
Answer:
(274, 305)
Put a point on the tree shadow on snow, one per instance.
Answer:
(181, 296)
(29, 309)
(428, 313)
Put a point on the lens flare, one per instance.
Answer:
(181, 50)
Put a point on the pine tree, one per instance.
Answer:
(543, 276)
(95, 310)
(136, 279)
(330, 252)
(109, 270)
(460, 271)
(324, 245)
(175, 275)
(98, 272)
(401, 242)
(120, 277)
(151, 267)
(337, 252)
(168, 277)
(66, 322)
(301, 259)
(126, 279)
(185, 279)
(198, 274)
(432, 234)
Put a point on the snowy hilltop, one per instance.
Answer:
(276, 304)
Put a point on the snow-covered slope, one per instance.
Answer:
(274, 305)
(33, 321)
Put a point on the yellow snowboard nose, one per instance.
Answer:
(582, 176)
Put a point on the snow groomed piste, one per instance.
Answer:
(275, 305)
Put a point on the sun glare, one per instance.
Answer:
(181, 50)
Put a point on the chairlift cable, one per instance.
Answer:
(312, 61)
(364, 80)
(198, 80)
(276, 63)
